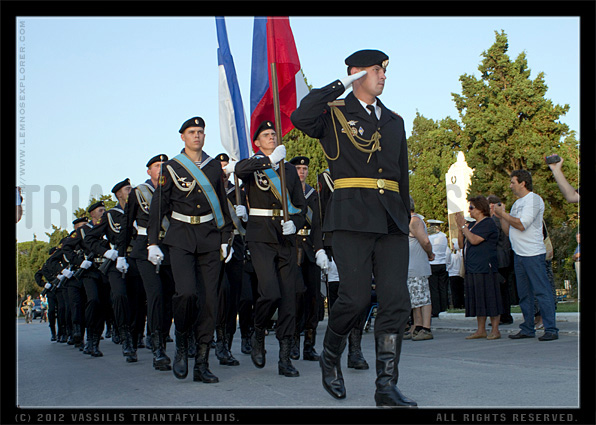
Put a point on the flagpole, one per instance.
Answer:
(278, 131)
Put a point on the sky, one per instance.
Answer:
(97, 97)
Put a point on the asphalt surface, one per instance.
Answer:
(447, 372)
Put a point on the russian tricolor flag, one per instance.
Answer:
(232, 121)
(273, 42)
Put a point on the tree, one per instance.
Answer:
(508, 124)
(299, 144)
(432, 148)
(107, 200)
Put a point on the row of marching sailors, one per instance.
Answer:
(203, 255)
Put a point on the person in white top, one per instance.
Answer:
(524, 227)
(439, 280)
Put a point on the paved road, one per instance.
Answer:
(444, 373)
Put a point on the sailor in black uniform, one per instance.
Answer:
(365, 144)
(191, 194)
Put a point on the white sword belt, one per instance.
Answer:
(265, 213)
(192, 219)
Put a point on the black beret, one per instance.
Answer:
(157, 158)
(125, 182)
(300, 160)
(265, 125)
(192, 122)
(80, 220)
(364, 58)
(223, 157)
(96, 205)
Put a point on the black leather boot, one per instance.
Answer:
(76, 334)
(161, 361)
(355, 358)
(192, 344)
(180, 366)
(330, 358)
(201, 372)
(245, 345)
(295, 347)
(222, 351)
(89, 344)
(285, 366)
(53, 332)
(309, 353)
(95, 345)
(388, 347)
(128, 349)
(257, 353)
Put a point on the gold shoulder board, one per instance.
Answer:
(340, 102)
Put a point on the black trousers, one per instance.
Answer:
(457, 291)
(278, 279)
(229, 295)
(438, 283)
(248, 298)
(159, 289)
(62, 301)
(97, 292)
(137, 300)
(77, 299)
(358, 256)
(119, 298)
(52, 310)
(308, 301)
(196, 279)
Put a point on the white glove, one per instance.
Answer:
(347, 81)
(86, 264)
(288, 228)
(227, 256)
(154, 255)
(111, 254)
(229, 169)
(122, 265)
(278, 154)
(322, 260)
(61, 277)
(67, 273)
(241, 212)
(48, 286)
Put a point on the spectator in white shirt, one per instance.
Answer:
(524, 227)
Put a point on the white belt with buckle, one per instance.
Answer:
(142, 231)
(192, 219)
(265, 213)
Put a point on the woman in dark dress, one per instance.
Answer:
(482, 278)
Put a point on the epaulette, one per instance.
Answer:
(339, 102)
(397, 114)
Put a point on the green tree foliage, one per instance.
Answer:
(508, 124)
(432, 148)
(299, 144)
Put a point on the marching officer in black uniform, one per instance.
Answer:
(272, 242)
(365, 144)
(94, 283)
(190, 193)
(311, 259)
(76, 291)
(54, 268)
(158, 282)
(112, 225)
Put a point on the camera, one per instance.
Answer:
(553, 159)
